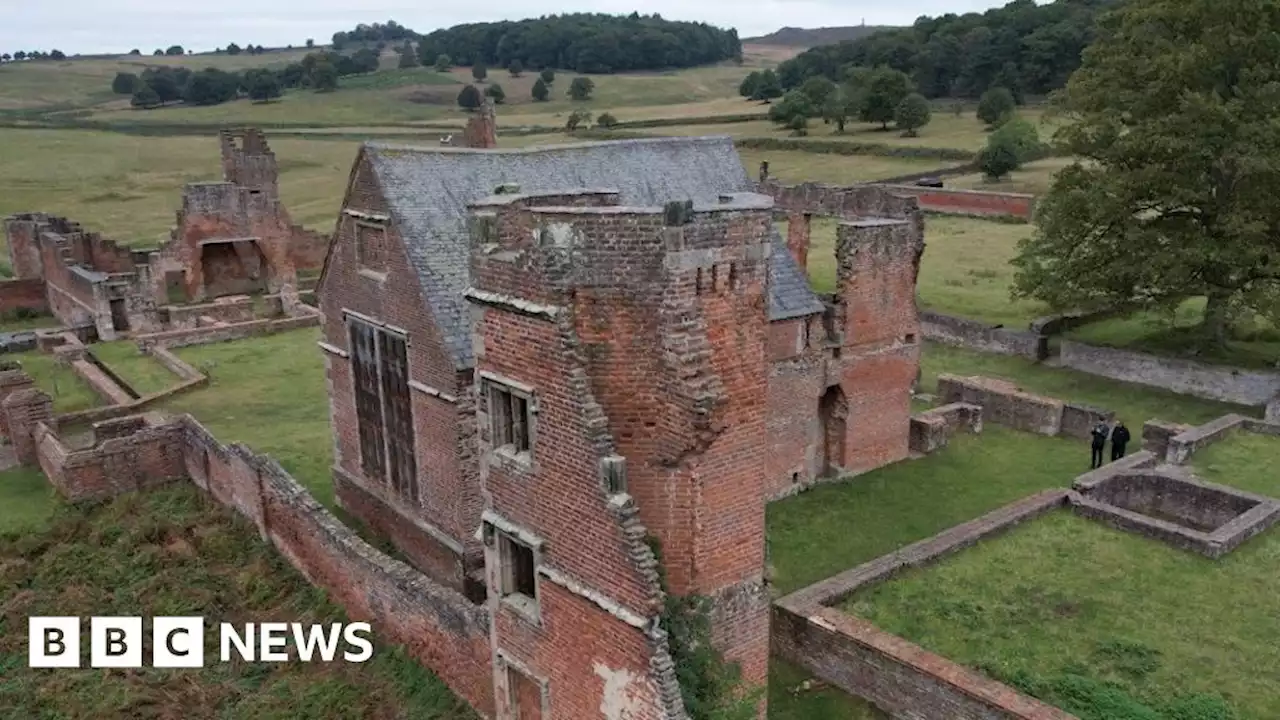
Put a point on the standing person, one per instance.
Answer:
(1099, 435)
(1119, 438)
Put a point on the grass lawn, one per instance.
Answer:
(30, 323)
(69, 392)
(1135, 404)
(1034, 178)
(172, 552)
(1254, 344)
(835, 527)
(965, 269)
(796, 166)
(1100, 622)
(1245, 460)
(29, 500)
(268, 393)
(143, 373)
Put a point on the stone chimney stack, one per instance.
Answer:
(482, 128)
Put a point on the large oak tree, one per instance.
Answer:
(1175, 114)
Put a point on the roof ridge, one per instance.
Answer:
(537, 149)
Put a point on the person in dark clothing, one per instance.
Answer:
(1099, 435)
(1119, 438)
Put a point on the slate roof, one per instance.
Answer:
(428, 190)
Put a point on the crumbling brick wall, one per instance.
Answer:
(437, 534)
(481, 130)
(26, 294)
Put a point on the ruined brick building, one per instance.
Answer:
(231, 237)
(540, 361)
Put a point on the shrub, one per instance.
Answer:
(469, 98)
(606, 120)
(515, 68)
(443, 63)
(540, 91)
(479, 72)
(581, 88)
(496, 93)
(577, 119)
(996, 106)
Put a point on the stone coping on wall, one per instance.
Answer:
(1185, 444)
(984, 337)
(1188, 377)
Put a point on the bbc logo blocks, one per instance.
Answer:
(116, 642)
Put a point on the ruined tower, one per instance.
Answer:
(248, 162)
(621, 368)
(482, 128)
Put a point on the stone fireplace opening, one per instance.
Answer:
(1179, 509)
(233, 267)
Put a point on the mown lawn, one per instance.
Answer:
(797, 166)
(69, 392)
(1034, 178)
(1245, 460)
(173, 552)
(1107, 625)
(28, 500)
(141, 371)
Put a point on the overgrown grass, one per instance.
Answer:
(835, 527)
(142, 372)
(965, 269)
(1099, 621)
(270, 394)
(69, 392)
(796, 166)
(16, 324)
(1255, 343)
(1244, 460)
(173, 552)
(29, 500)
(1135, 404)
(793, 695)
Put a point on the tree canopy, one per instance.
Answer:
(996, 105)
(581, 88)
(880, 91)
(586, 43)
(1174, 111)
(391, 31)
(1026, 47)
(912, 114)
(540, 90)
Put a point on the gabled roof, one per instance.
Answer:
(428, 190)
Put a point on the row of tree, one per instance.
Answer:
(587, 43)
(1028, 48)
(319, 71)
(470, 97)
(388, 32)
(33, 55)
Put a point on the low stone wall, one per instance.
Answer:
(223, 333)
(1156, 435)
(898, 676)
(1182, 446)
(1224, 384)
(1004, 403)
(187, 376)
(235, 309)
(25, 294)
(932, 429)
(976, 335)
(120, 460)
(978, 203)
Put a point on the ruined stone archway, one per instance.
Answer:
(833, 409)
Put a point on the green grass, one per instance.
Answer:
(1062, 604)
(69, 392)
(270, 394)
(29, 500)
(14, 324)
(1135, 404)
(172, 552)
(1254, 343)
(142, 372)
(796, 166)
(835, 527)
(1245, 460)
(1034, 178)
(791, 699)
(965, 269)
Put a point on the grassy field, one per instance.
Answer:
(1244, 460)
(795, 166)
(1106, 624)
(965, 269)
(29, 500)
(1034, 178)
(143, 373)
(171, 552)
(68, 391)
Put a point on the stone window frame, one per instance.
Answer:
(412, 489)
(499, 536)
(379, 264)
(506, 664)
(491, 383)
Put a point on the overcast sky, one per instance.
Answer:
(100, 26)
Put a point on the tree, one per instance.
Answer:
(768, 88)
(20, 55)
(469, 98)
(515, 67)
(581, 88)
(998, 158)
(311, 43)
(158, 52)
(996, 106)
(5, 57)
(1174, 109)
(443, 63)
(793, 112)
(912, 114)
(211, 87)
(234, 49)
(548, 76)
(125, 83)
(844, 103)
(263, 85)
(479, 72)
(57, 55)
(145, 97)
(135, 51)
(818, 89)
(577, 119)
(880, 91)
(408, 58)
(1022, 136)
(606, 120)
(175, 50)
(747, 88)
(324, 77)
(496, 93)
(540, 91)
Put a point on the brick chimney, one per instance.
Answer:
(482, 128)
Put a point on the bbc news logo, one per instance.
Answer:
(178, 642)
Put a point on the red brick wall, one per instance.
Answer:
(798, 226)
(28, 294)
(21, 232)
(113, 465)
(969, 202)
(448, 480)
